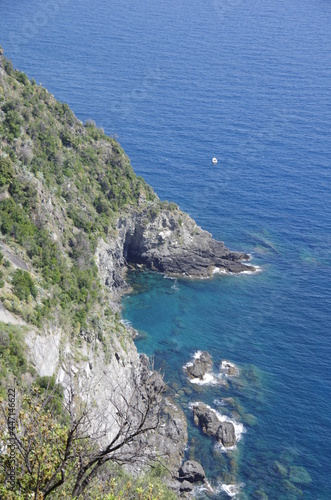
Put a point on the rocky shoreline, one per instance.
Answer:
(167, 241)
(101, 213)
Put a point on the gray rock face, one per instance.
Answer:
(210, 424)
(186, 486)
(171, 242)
(200, 366)
(192, 472)
(164, 240)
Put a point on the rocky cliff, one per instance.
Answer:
(167, 240)
(73, 217)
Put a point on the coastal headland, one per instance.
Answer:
(73, 218)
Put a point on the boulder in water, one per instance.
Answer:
(201, 365)
(206, 418)
(299, 475)
(192, 472)
(226, 434)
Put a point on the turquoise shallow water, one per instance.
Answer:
(248, 82)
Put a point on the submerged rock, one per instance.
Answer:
(293, 490)
(260, 495)
(201, 365)
(192, 472)
(299, 475)
(280, 468)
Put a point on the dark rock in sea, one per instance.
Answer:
(186, 486)
(191, 471)
(206, 419)
(200, 366)
(210, 424)
(226, 434)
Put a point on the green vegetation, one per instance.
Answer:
(58, 175)
(63, 184)
(23, 285)
(13, 361)
(6, 170)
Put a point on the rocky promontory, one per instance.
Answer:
(163, 238)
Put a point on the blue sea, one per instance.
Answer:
(180, 82)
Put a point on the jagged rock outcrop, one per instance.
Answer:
(201, 365)
(208, 420)
(114, 389)
(164, 240)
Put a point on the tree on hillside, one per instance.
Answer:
(69, 450)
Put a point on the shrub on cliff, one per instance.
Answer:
(23, 285)
(6, 170)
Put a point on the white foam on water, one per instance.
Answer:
(197, 355)
(166, 277)
(217, 270)
(206, 486)
(257, 269)
(208, 379)
(126, 323)
(232, 490)
(219, 402)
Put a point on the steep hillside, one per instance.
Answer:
(73, 214)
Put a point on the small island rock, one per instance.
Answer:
(210, 424)
(226, 434)
(200, 366)
(192, 472)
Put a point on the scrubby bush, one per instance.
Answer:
(12, 353)
(13, 122)
(6, 170)
(23, 285)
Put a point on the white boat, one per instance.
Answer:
(214, 160)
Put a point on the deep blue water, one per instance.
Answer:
(249, 82)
